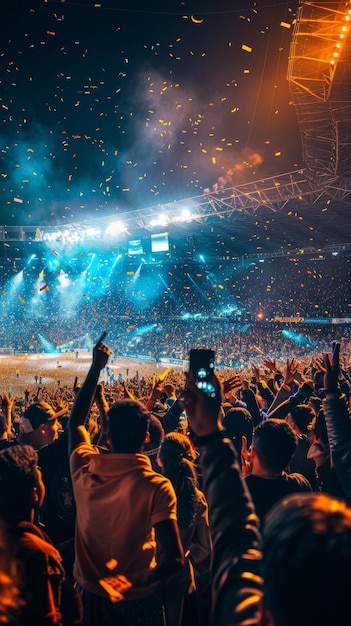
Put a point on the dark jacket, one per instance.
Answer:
(338, 421)
(236, 566)
(58, 512)
(266, 492)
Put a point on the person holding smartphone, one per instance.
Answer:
(236, 565)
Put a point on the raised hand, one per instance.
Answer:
(290, 371)
(270, 364)
(300, 374)
(256, 372)
(7, 402)
(319, 363)
(332, 370)
(101, 352)
(99, 392)
(126, 392)
(157, 389)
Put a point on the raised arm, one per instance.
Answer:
(338, 421)
(156, 393)
(77, 432)
(236, 569)
(103, 406)
(7, 404)
(285, 389)
(250, 400)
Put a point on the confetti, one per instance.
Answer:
(196, 20)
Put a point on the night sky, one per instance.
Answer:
(115, 106)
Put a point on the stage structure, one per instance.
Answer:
(319, 75)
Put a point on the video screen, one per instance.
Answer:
(135, 246)
(159, 242)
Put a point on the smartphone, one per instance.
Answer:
(202, 367)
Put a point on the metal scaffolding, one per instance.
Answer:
(319, 74)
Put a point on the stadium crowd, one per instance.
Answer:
(144, 501)
(174, 302)
(229, 481)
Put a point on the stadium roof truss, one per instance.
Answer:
(319, 73)
(275, 194)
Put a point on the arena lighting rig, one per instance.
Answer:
(293, 189)
(319, 75)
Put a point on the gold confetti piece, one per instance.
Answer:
(195, 20)
(285, 25)
(115, 586)
(246, 48)
(112, 564)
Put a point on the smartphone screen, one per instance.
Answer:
(202, 367)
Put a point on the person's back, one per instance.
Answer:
(58, 512)
(265, 491)
(119, 498)
(274, 443)
(127, 539)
